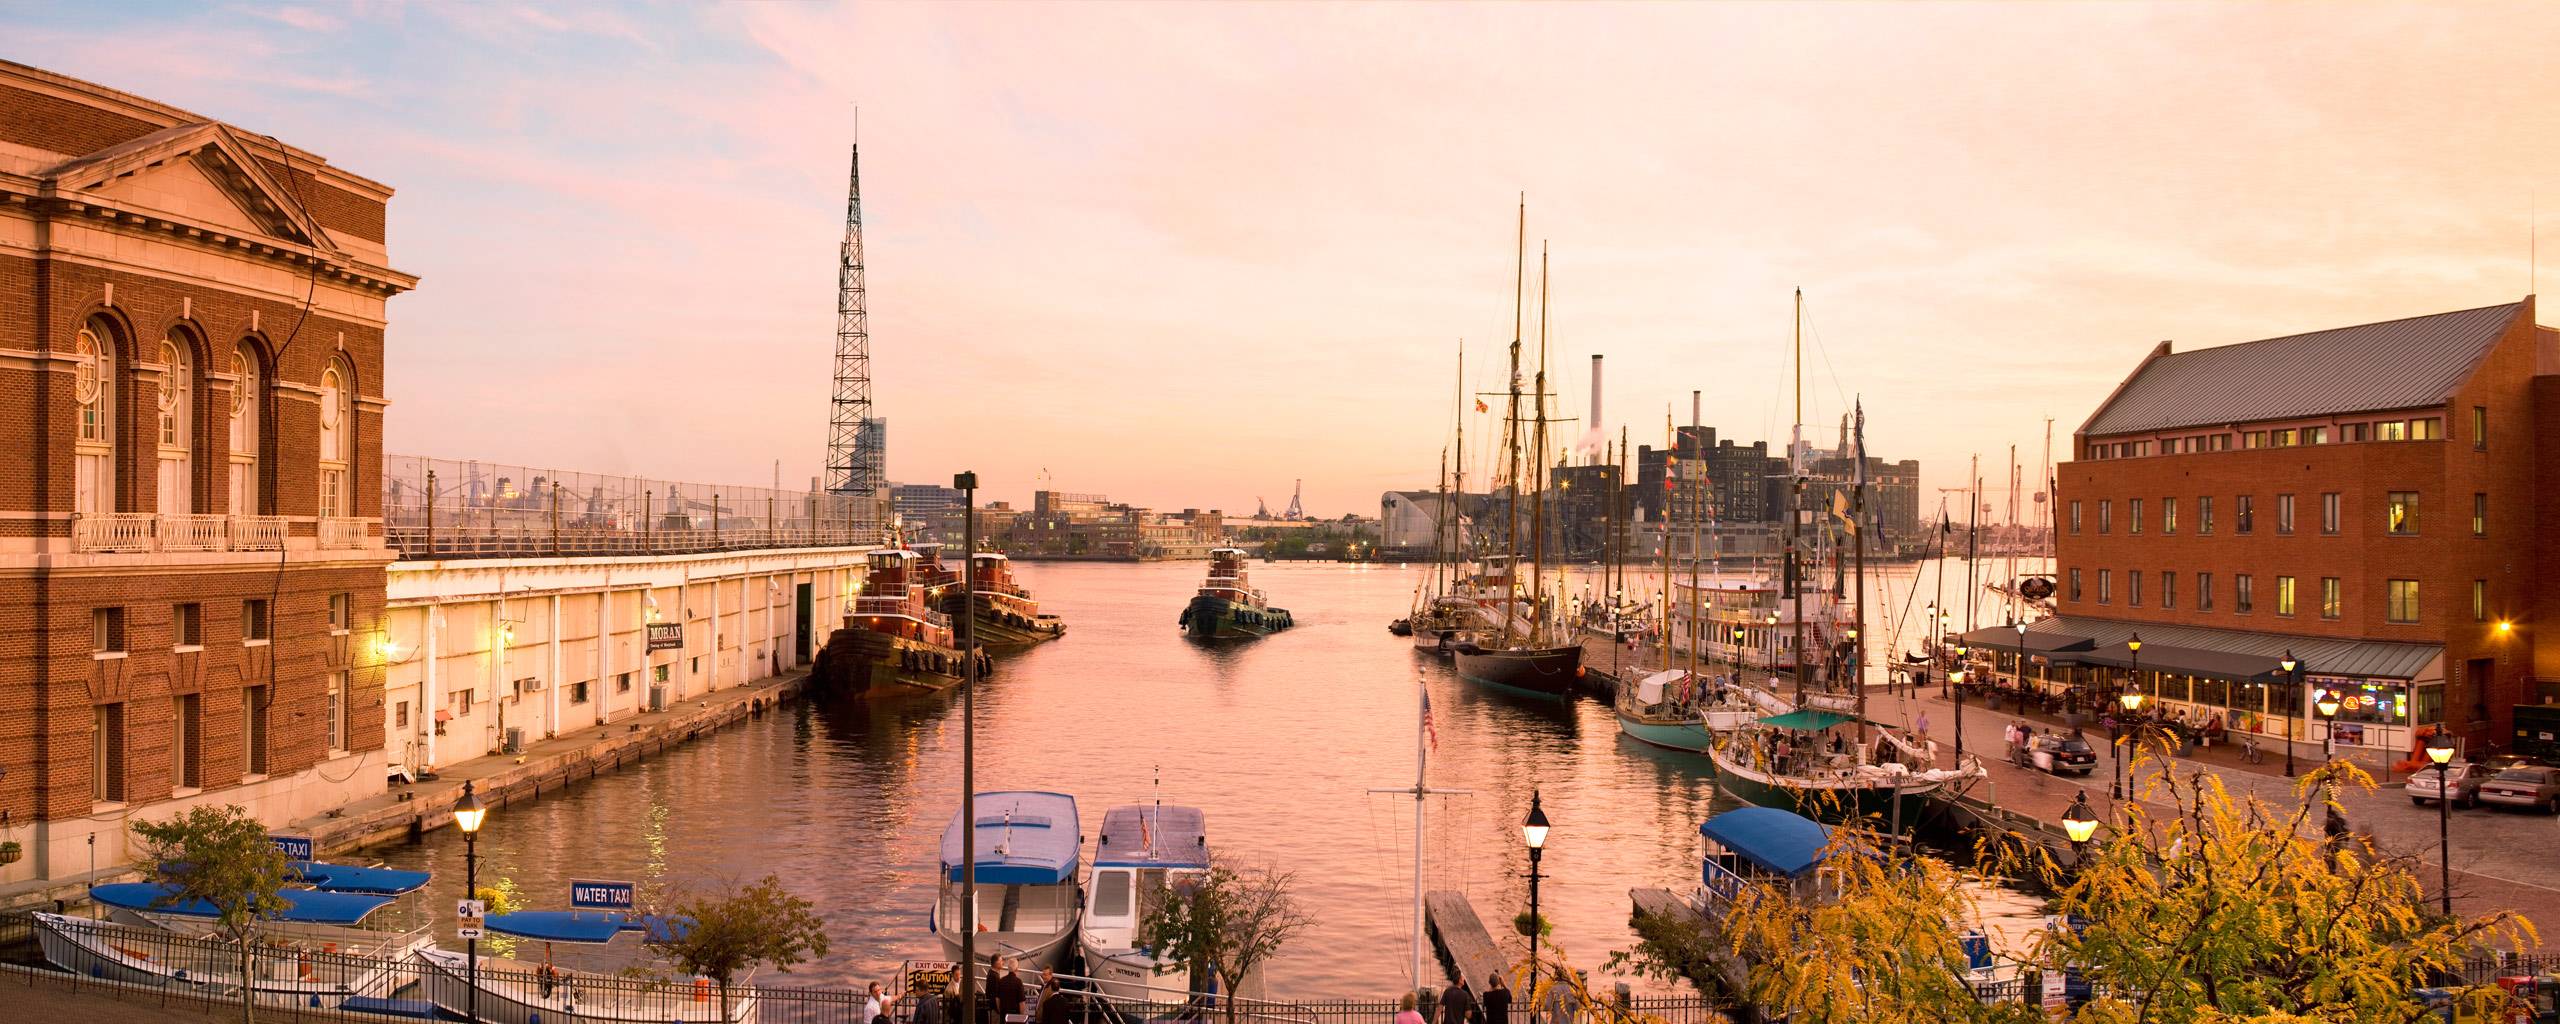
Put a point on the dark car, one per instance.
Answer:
(2062, 755)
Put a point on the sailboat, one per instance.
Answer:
(1802, 759)
(1538, 656)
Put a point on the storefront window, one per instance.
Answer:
(2364, 701)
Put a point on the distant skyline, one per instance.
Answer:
(1185, 254)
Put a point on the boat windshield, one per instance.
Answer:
(1111, 894)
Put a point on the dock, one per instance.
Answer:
(1730, 975)
(1465, 947)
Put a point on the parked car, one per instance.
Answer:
(2533, 785)
(2061, 755)
(2463, 777)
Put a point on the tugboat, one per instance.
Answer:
(1227, 607)
(893, 642)
(1007, 615)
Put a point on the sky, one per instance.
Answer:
(1188, 254)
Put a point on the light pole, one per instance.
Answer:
(2328, 708)
(967, 485)
(1534, 831)
(2134, 647)
(2440, 751)
(2293, 685)
(2131, 701)
(2021, 674)
(2078, 824)
(468, 813)
(1955, 678)
(1738, 634)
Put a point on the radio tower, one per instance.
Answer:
(855, 440)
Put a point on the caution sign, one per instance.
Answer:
(932, 978)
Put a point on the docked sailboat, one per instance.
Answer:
(1675, 710)
(1007, 615)
(1226, 606)
(1026, 847)
(1536, 653)
(1143, 850)
(893, 642)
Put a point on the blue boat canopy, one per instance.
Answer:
(350, 878)
(1779, 841)
(589, 926)
(1021, 838)
(302, 906)
(1804, 720)
(1153, 837)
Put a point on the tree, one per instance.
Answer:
(1225, 920)
(722, 933)
(224, 858)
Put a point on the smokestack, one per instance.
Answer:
(1595, 394)
(1695, 404)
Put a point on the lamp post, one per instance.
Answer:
(2078, 824)
(967, 485)
(468, 813)
(2134, 647)
(1534, 831)
(2021, 674)
(2328, 708)
(2131, 701)
(2440, 751)
(1737, 655)
(2293, 685)
(1955, 678)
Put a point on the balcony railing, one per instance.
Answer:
(129, 532)
(338, 534)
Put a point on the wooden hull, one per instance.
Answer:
(866, 663)
(1823, 799)
(1213, 618)
(1544, 671)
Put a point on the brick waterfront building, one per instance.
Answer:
(191, 382)
(2368, 498)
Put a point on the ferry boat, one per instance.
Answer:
(1142, 851)
(1716, 606)
(893, 641)
(1671, 710)
(1227, 607)
(516, 992)
(175, 946)
(1028, 892)
(1007, 615)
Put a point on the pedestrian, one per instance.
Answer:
(1457, 1003)
(927, 1009)
(1497, 1000)
(1053, 999)
(1922, 724)
(1563, 1006)
(1048, 988)
(1007, 989)
(874, 1011)
(1405, 1013)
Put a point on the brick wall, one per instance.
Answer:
(59, 125)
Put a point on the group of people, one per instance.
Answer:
(1004, 998)
(2020, 734)
(1460, 1004)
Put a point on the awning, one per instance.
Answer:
(303, 906)
(587, 926)
(2189, 661)
(1806, 720)
(2005, 640)
(1780, 841)
(350, 878)
(2224, 653)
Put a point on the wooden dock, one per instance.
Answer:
(1466, 949)
(1730, 975)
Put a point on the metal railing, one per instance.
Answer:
(445, 508)
(127, 532)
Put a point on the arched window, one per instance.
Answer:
(337, 442)
(94, 387)
(248, 389)
(177, 424)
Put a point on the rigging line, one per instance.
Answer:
(1816, 333)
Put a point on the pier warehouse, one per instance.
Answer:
(2376, 500)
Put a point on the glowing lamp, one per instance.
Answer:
(2440, 746)
(1534, 829)
(2078, 821)
(469, 812)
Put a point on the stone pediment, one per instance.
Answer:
(197, 173)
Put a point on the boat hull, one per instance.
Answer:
(1544, 671)
(1689, 736)
(513, 996)
(1025, 951)
(1823, 801)
(867, 663)
(999, 629)
(91, 949)
(1216, 618)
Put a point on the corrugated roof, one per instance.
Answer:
(2318, 655)
(2397, 364)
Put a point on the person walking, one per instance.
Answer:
(1563, 1006)
(1497, 1000)
(1405, 1013)
(1457, 1003)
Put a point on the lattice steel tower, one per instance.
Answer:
(855, 441)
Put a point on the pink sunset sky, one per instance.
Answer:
(1184, 254)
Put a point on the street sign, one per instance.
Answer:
(469, 932)
(467, 915)
(600, 895)
(666, 636)
(2054, 1000)
(294, 847)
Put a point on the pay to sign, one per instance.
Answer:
(600, 895)
(467, 915)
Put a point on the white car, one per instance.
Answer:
(2463, 777)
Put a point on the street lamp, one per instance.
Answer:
(2021, 674)
(1955, 679)
(2293, 685)
(2132, 702)
(2134, 646)
(1737, 655)
(2078, 824)
(1533, 830)
(2328, 708)
(2440, 751)
(468, 813)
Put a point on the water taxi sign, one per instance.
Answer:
(600, 895)
(294, 847)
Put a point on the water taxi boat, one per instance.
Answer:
(1027, 845)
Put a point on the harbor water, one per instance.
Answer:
(1280, 739)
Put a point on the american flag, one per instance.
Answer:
(1427, 729)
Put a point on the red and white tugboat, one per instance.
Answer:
(893, 642)
(1008, 616)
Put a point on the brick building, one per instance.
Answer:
(2366, 498)
(191, 568)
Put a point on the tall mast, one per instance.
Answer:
(2013, 601)
(1697, 512)
(1858, 537)
(1670, 480)
(1538, 496)
(1511, 428)
(1795, 497)
(1441, 532)
(1421, 791)
(1458, 472)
